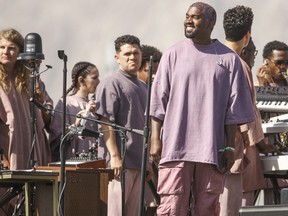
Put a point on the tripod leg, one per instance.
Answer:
(17, 208)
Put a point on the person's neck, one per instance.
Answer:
(10, 72)
(82, 93)
(235, 46)
(206, 41)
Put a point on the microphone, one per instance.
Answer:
(32, 48)
(41, 106)
(139, 132)
(87, 112)
(47, 68)
(219, 62)
(82, 131)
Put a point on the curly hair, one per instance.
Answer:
(273, 45)
(148, 51)
(79, 69)
(237, 22)
(126, 39)
(22, 78)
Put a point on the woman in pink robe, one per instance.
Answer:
(15, 115)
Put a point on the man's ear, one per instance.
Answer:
(244, 52)
(265, 63)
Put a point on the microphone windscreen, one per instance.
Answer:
(32, 48)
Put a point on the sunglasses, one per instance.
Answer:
(280, 62)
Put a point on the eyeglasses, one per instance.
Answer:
(280, 62)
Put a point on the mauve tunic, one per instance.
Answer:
(78, 144)
(15, 130)
(121, 98)
(197, 90)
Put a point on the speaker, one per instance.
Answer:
(81, 193)
(86, 191)
(265, 210)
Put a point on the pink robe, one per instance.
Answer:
(15, 127)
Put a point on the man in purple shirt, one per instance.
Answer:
(121, 100)
(199, 96)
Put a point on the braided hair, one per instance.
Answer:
(79, 69)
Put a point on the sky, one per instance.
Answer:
(86, 29)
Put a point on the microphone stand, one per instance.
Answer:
(145, 140)
(31, 161)
(62, 56)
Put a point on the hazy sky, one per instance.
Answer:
(86, 29)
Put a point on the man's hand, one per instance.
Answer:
(267, 148)
(227, 161)
(155, 149)
(116, 165)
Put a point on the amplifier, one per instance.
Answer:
(81, 164)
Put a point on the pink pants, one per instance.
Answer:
(176, 182)
(132, 195)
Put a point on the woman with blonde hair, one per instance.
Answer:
(15, 116)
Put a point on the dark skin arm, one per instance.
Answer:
(228, 156)
(155, 143)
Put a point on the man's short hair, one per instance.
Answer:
(273, 45)
(126, 39)
(237, 22)
(148, 51)
(207, 9)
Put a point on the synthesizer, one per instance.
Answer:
(275, 162)
(272, 99)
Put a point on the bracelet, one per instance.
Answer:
(228, 148)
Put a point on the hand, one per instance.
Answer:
(116, 165)
(267, 148)
(38, 93)
(149, 172)
(78, 120)
(5, 163)
(264, 76)
(227, 161)
(155, 149)
(92, 105)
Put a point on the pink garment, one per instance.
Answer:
(78, 144)
(195, 97)
(247, 171)
(176, 179)
(132, 194)
(231, 198)
(15, 127)
(253, 177)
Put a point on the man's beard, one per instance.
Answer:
(190, 35)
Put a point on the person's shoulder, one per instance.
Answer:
(178, 46)
(244, 65)
(223, 48)
(111, 77)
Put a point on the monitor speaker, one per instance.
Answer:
(81, 193)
